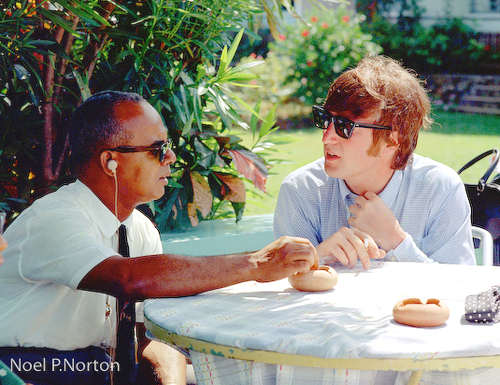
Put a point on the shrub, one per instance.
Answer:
(449, 47)
(174, 53)
(331, 42)
(271, 91)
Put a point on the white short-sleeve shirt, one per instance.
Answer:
(52, 245)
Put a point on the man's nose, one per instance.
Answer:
(169, 158)
(329, 135)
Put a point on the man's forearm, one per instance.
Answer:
(174, 275)
(168, 275)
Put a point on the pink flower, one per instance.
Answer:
(314, 19)
(305, 33)
(281, 37)
(324, 25)
(259, 57)
(346, 18)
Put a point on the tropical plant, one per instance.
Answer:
(177, 54)
(320, 51)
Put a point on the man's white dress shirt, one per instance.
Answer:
(427, 198)
(52, 245)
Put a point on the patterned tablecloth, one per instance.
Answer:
(354, 320)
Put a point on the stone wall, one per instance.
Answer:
(466, 93)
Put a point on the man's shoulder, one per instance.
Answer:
(55, 211)
(431, 171)
(64, 199)
(310, 175)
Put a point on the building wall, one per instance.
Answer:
(476, 13)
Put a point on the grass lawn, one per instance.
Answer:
(453, 140)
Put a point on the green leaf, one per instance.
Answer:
(59, 21)
(254, 119)
(239, 209)
(206, 157)
(268, 122)
(237, 77)
(223, 62)
(234, 46)
(83, 85)
(187, 126)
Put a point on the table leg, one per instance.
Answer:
(415, 377)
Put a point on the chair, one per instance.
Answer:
(484, 253)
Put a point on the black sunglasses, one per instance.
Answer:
(159, 148)
(343, 126)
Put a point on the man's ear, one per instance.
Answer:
(393, 139)
(104, 158)
(391, 144)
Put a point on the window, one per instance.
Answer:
(484, 6)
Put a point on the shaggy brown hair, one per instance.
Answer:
(381, 84)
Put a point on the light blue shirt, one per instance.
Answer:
(427, 197)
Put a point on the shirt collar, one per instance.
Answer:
(388, 194)
(106, 221)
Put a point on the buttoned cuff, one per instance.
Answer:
(407, 251)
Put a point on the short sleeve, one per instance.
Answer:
(61, 246)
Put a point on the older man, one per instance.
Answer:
(63, 269)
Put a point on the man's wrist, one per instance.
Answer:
(394, 239)
(251, 264)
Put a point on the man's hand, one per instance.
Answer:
(347, 246)
(370, 215)
(284, 257)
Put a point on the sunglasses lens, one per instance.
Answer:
(163, 151)
(321, 118)
(343, 127)
(317, 118)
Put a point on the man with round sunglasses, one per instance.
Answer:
(370, 196)
(68, 257)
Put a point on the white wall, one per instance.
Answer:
(437, 10)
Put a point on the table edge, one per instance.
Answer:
(269, 357)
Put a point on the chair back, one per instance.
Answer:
(484, 253)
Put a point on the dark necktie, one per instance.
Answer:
(125, 342)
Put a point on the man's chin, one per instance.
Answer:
(332, 172)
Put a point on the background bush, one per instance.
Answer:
(449, 47)
(331, 42)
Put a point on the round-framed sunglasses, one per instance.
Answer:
(159, 149)
(343, 126)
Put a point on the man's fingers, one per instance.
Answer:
(360, 248)
(302, 251)
(348, 250)
(299, 267)
(360, 200)
(370, 245)
(340, 255)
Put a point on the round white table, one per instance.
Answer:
(271, 333)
